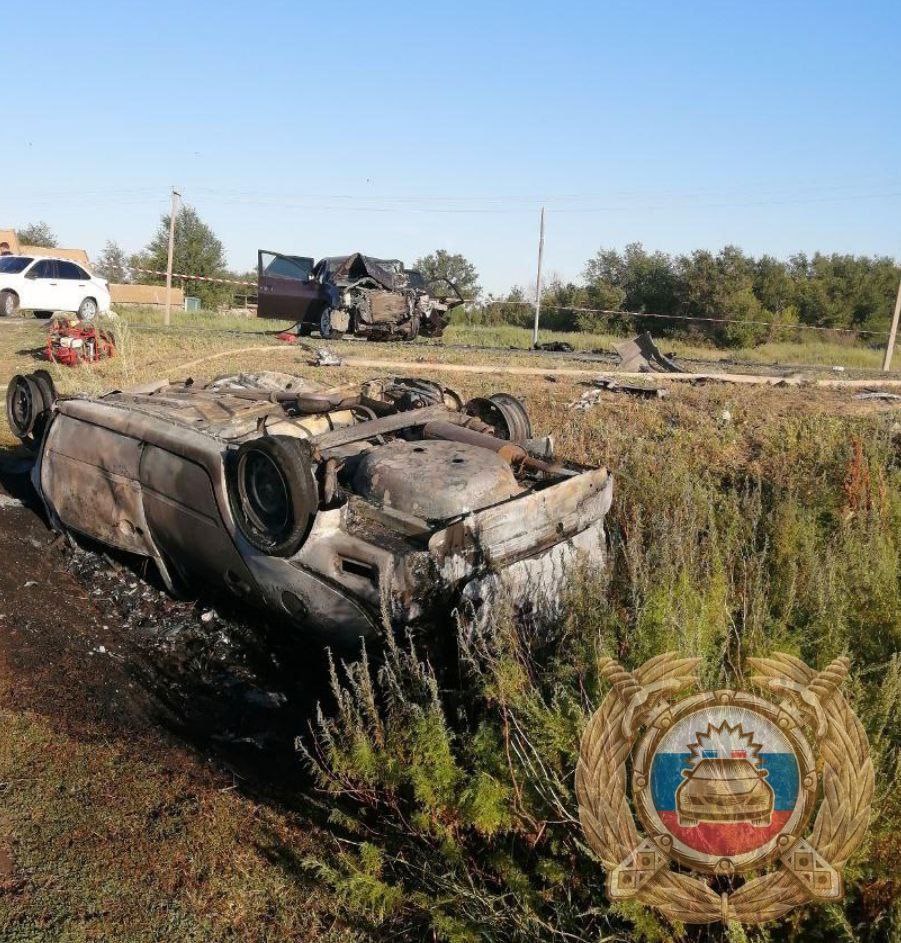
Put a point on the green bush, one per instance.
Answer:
(452, 780)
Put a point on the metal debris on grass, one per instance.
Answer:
(641, 355)
(326, 358)
(611, 385)
(878, 394)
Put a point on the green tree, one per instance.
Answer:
(112, 264)
(38, 234)
(560, 304)
(197, 252)
(453, 266)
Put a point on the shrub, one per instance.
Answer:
(452, 779)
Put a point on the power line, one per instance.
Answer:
(610, 313)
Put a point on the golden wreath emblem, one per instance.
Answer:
(724, 783)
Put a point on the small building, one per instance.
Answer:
(10, 245)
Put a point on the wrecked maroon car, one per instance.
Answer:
(356, 294)
(337, 507)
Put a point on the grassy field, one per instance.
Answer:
(812, 351)
(745, 520)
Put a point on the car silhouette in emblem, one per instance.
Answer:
(724, 790)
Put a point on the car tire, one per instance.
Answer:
(9, 304)
(325, 324)
(24, 403)
(45, 384)
(272, 493)
(88, 309)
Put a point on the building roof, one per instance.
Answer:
(16, 248)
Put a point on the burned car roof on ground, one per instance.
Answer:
(334, 507)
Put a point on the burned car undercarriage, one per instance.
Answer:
(337, 508)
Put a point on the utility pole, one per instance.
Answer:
(538, 280)
(172, 212)
(893, 330)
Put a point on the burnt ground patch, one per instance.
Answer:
(94, 642)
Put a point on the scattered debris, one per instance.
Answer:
(7, 502)
(603, 384)
(588, 399)
(613, 385)
(642, 355)
(325, 358)
(71, 342)
(793, 379)
(726, 416)
(878, 394)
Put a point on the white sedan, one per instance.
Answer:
(44, 285)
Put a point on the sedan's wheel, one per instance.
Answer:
(325, 324)
(87, 310)
(9, 303)
(272, 493)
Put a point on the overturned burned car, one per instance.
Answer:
(377, 299)
(337, 508)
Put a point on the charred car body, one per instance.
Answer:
(334, 507)
(374, 298)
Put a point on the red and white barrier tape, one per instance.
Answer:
(196, 278)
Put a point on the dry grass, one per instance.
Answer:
(118, 841)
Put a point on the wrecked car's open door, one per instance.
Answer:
(286, 288)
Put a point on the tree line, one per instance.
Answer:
(735, 299)
(739, 300)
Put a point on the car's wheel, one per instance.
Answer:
(325, 324)
(505, 413)
(272, 492)
(45, 385)
(9, 303)
(87, 310)
(24, 403)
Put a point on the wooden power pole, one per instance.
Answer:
(172, 212)
(538, 279)
(893, 331)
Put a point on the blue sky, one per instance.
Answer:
(398, 128)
